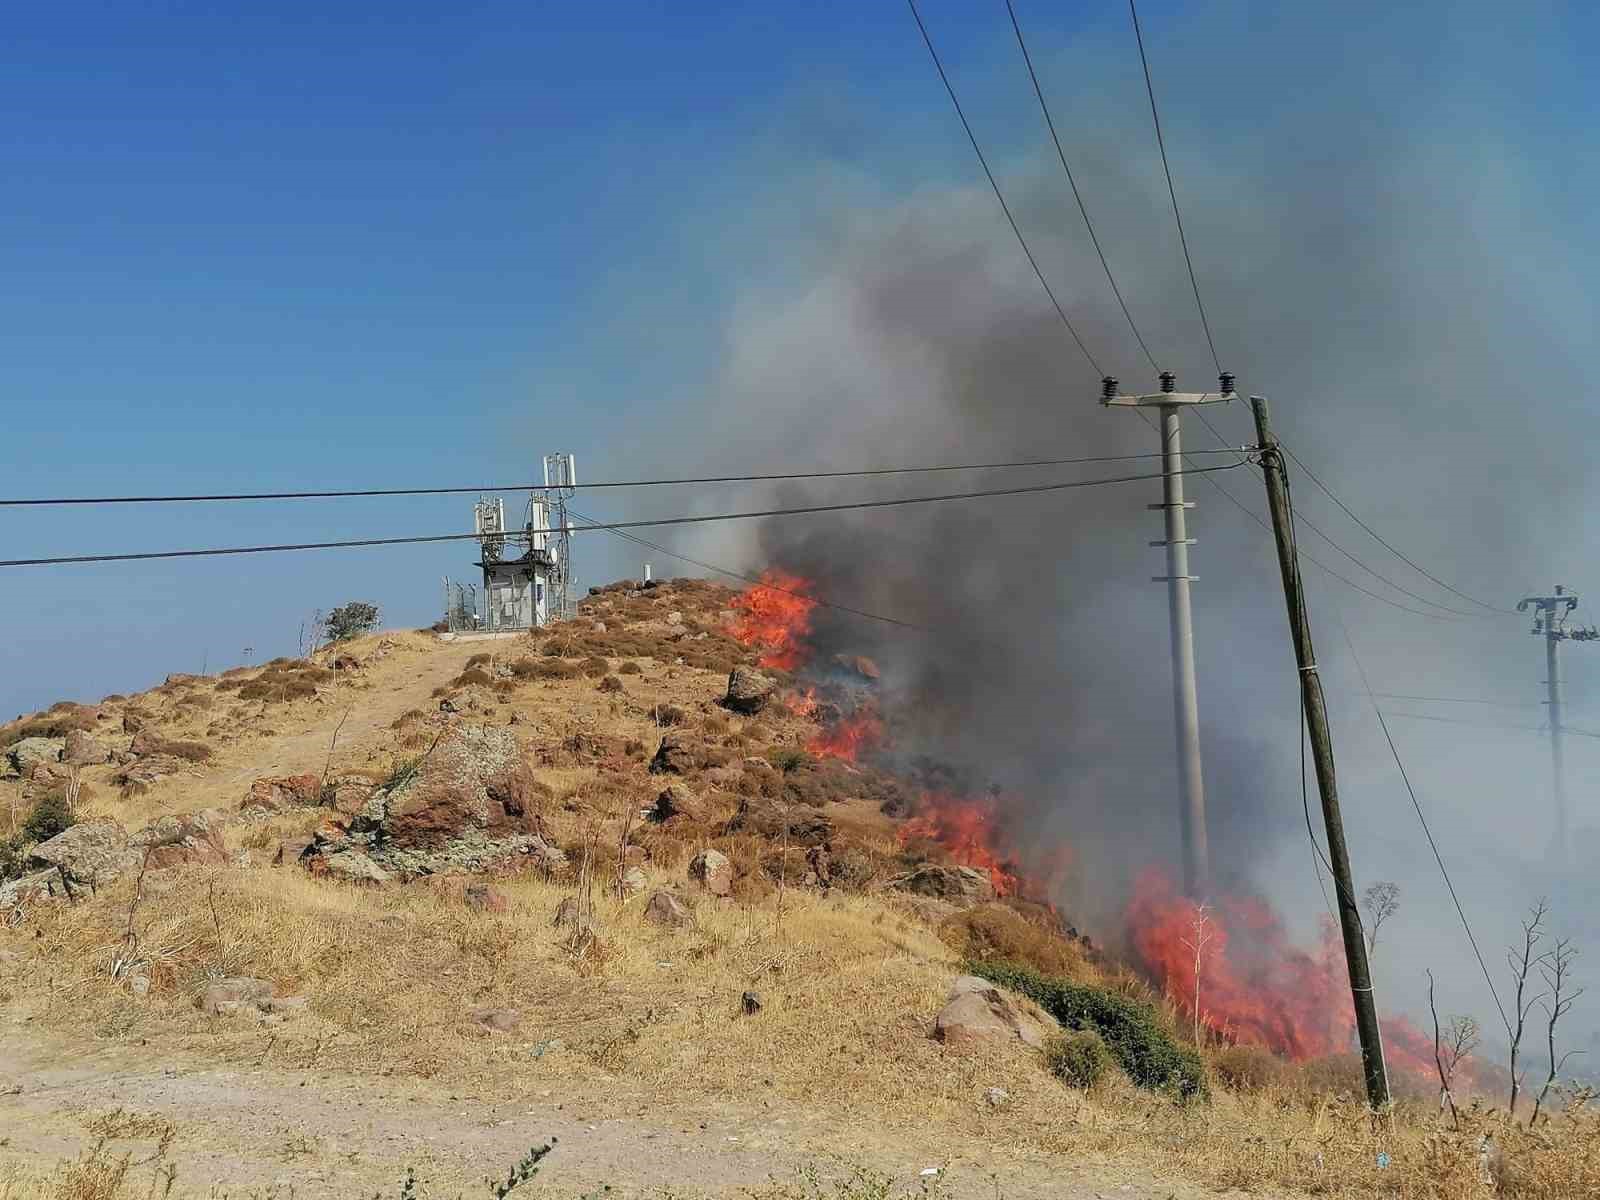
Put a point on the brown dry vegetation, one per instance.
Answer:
(850, 977)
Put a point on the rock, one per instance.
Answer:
(674, 618)
(275, 794)
(977, 1009)
(996, 1097)
(959, 885)
(145, 770)
(240, 990)
(675, 800)
(90, 852)
(347, 797)
(346, 662)
(663, 908)
(285, 1005)
(172, 841)
(598, 627)
(498, 1020)
(750, 1003)
(352, 866)
(467, 808)
(31, 888)
(568, 915)
(634, 881)
(748, 690)
(146, 741)
(714, 871)
(676, 755)
(485, 898)
(767, 818)
(132, 722)
(290, 851)
(81, 750)
(31, 752)
(611, 683)
(139, 985)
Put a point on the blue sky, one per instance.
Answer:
(295, 247)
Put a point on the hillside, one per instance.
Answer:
(423, 903)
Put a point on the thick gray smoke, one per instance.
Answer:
(1397, 320)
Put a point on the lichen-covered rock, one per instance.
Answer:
(765, 817)
(465, 808)
(960, 885)
(714, 871)
(81, 750)
(90, 852)
(172, 841)
(31, 752)
(676, 755)
(663, 908)
(274, 794)
(748, 690)
(351, 866)
(675, 800)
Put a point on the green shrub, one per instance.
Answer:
(48, 817)
(1131, 1030)
(350, 620)
(1078, 1059)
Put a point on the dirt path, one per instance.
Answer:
(262, 1131)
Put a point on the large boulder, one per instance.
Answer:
(977, 1010)
(81, 750)
(748, 690)
(274, 794)
(765, 817)
(675, 800)
(714, 871)
(959, 885)
(144, 771)
(664, 908)
(90, 852)
(465, 808)
(676, 755)
(172, 841)
(31, 752)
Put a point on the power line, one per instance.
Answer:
(687, 520)
(998, 195)
(1389, 546)
(1492, 724)
(596, 486)
(1155, 117)
(1076, 195)
(1422, 818)
(591, 523)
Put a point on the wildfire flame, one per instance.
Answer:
(848, 737)
(802, 703)
(1256, 986)
(774, 616)
(966, 829)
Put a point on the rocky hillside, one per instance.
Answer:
(604, 866)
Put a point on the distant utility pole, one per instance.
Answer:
(1185, 702)
(1550, 621)
(1316, 714)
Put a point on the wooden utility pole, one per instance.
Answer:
(1316, 714)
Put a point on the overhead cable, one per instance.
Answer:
(638, 524)
(595, 486)
(998, 194)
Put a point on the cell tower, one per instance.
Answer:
(560, 485)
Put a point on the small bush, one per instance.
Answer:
(611, 683)
(525, 668)
(787, 758)
(555, 668)
(471, 676)
(668, 715)
(630, 668)
(1131, 1030)
(350, 620)
(195, 752)
(595, 667)
(1079, 1059)
(48, 817)
(998, 933)
(477, 660)
(1247, 1068)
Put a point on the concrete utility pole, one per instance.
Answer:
(1316, 713)
(1550, 621)
(1185, 702)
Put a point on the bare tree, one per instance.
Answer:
(1450, 1049)
(1203, 935)
(1523, 963)
(1557, 972)
(1382, 901)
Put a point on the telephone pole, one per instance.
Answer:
(1185, 700)
(1316, 714)
(1550, 621)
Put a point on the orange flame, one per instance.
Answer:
(774, 616)
(1255, 985)
(966, 829)
(847, 738)
(802, 703)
